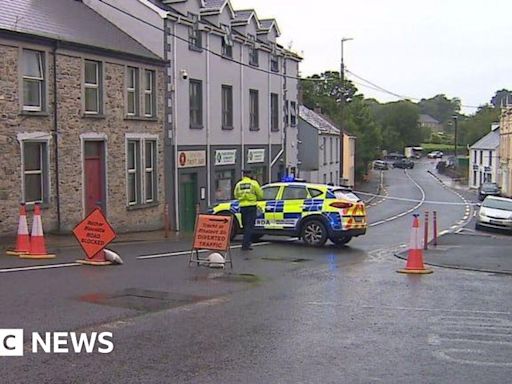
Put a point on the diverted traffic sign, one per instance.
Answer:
(94, 233)
(212, 232)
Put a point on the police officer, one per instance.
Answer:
(248, 192)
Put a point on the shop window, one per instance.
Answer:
(223, 185)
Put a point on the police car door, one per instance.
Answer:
(293, 198)
(266, 207)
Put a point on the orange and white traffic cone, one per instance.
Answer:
(22, 238)
(415, 256)
(97, 259)
(37, 243)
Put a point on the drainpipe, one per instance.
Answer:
(242, 133)
(208, 146)
(269, 122)
(56, 136)
(175, 125)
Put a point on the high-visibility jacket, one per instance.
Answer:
(248, 192)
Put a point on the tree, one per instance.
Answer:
(501, 98)
(477, 126)
(440, 107)
(325, 91)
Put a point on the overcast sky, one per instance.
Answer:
(417, 49)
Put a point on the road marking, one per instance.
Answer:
(181, 253)
(38, 267)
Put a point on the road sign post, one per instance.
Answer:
(212, 233)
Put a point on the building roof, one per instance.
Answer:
(316, 120)
(267, 24)
(214, 4)
(244, 16)
(68, 21)
(427, 119)
(489, 141)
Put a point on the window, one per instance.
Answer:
(330, 177)
(141, 171)
(223, 185)
(270, 193)
(254, 110)
(475, 180)
(314, 192)
(274, 63)
(132, 90)
(194, 34)
(324, 149)
(293, 114)
(92, 87)
(196, 103)
(286, 120)
(481, 157)
(337, 180)
(337, 152)
(33, 80)
(295, 192)
(331, 152)
(253, 52)
(274, 112)
(474, 156)
(490, 158)
(149, 93)
(227, 107)
(35, 171)
(227, 42)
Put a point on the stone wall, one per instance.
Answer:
(71, 124)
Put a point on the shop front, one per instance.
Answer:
(224, 174)
(191, 169)
(256, 163)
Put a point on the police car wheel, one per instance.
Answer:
(314, 233)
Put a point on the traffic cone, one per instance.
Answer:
(98, 259)
(37, 243)
(415, 256)
(23, 238)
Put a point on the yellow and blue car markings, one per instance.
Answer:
(286, 214)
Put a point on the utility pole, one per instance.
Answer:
(342, 110)
(455, 138)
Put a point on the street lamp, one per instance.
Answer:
(342, 102)
(454, 117)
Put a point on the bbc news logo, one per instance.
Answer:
(11, 342)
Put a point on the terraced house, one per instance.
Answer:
(81, 118)
(231, 99)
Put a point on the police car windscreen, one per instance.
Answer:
(345, 195)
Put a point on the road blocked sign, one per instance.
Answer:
(94, 233)
(213, 232)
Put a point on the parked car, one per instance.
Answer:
(488, 189)
(394, 156)
(404, 163)
(435, 155)
(495, 212)
(380, 164)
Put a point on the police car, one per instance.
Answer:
(313, 212)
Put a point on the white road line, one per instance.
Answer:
(38, 267)
(181, 253)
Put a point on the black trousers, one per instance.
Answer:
(248, 220)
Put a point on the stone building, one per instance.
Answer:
(505, 150)
(232, 95)
(81, 118)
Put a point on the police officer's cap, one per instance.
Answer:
(247, 172)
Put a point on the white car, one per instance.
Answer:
(495, 212)
(435, 155)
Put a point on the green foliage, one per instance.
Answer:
(470, 130)
(440, 107)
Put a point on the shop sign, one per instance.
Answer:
(256, 156)
(487, 169)
(225, 157)
(475, 167)
(189, 159)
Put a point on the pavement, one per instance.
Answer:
(468, 249)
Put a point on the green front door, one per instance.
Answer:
(188, 202)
